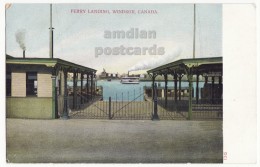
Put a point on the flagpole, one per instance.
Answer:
(194, 31)
(51, 34)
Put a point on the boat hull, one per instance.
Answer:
(130, 82)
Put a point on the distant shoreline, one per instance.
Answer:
(145, 80)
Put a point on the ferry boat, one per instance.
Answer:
(130, 80)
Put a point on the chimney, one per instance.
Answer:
(23, 53)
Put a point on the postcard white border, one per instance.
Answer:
(238, 119)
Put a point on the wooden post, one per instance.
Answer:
(91, 87)
(87, 87)
(153, 80)
(190, 78)
(109, 108)
(220, 80)
(81, 88)
(175, 86)
(212, 90)
(180, 76)
(65, 114)
(221, 89)
(54, 96)
(74, 89)
(206, 79)
(166, 89)
(155, 113)
(197, 89)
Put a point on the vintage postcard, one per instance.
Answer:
(130, 83)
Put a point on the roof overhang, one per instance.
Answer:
(48, 62)
(199, 65)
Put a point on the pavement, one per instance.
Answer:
(113, 141)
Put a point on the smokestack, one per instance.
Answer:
(128, 73)
(23, 53)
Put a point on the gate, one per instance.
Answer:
(141, 107)
(122, 106)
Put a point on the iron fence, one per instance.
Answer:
(207, 109)
(138, 106)
(121, 107)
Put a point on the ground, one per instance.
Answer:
(114, 141)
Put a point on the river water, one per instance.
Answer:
(126, 92)
(116, 90)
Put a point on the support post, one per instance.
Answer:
(206, 80)
(221, 89)
(180, 76)
(65, 114)
(220, 80)
(81, 88)
(54, 97)
(153, 82)
(91, 87)
(109, 108)
(166, 89)
(155, 113)
(74, 89)
(190, 78)
(175, 87)
(95, 85)
(197, 89)
(213, 90)
(87, 87)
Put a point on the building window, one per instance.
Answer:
(8, 84)
(31, 84)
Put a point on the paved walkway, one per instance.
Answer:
(114, 141)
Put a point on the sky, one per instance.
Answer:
(78, 35)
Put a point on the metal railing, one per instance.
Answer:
(139, 107)
(122, 107)
(204, 109)
(133, 108)
(207, 109)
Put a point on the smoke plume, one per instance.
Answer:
(157, 61)
(20, 38)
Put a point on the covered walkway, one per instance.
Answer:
(38, 87)
(207, 70)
